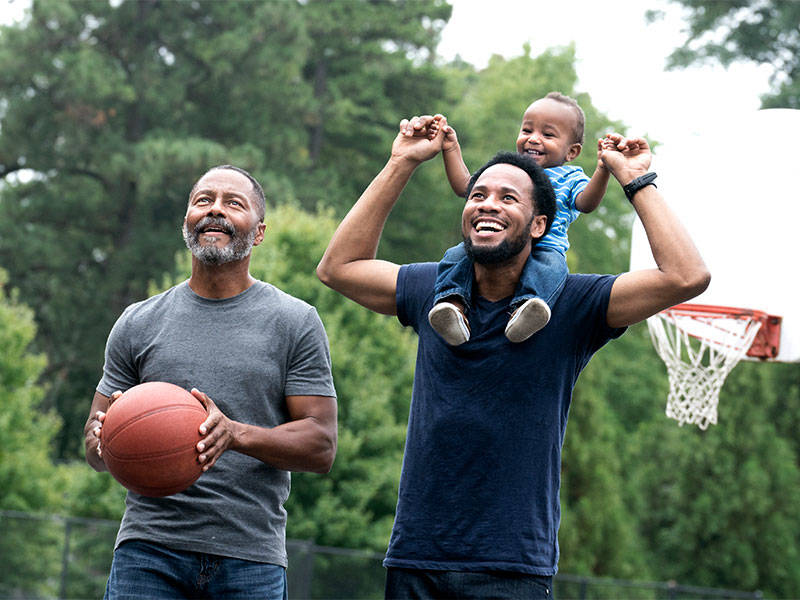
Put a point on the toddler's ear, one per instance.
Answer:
(574, 151)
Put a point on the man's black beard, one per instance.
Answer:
(502, 252)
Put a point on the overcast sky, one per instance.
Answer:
(620, 59)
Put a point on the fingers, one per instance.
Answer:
(417, 126)
(114, 397)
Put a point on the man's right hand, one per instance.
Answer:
(93, 427)
(419, 138)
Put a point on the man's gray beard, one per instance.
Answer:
(238, 247)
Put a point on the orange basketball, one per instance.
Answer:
(149, 436)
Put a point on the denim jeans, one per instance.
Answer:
(543, 276)
(145, 570)
(404, 584)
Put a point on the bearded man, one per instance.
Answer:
(258, 360)
(478, 509)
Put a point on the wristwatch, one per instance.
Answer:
(637, 184)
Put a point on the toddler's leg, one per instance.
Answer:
(540, 286)
(451, 296)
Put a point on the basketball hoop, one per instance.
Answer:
(700, 345)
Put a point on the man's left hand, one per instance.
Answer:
(626, 158)
(219, 432)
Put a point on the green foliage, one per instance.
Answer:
(25, 466)
(763, 32)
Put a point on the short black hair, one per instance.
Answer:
(261, 202)
(580, 117)
(544, 198)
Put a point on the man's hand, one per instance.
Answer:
(419, 139)
(94, 427)
(626, 158)
(219, 432)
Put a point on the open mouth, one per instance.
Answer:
(488, 226)
(533, 152)
(214, 226)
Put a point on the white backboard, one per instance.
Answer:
(738, 194)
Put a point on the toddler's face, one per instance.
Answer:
(547, 133)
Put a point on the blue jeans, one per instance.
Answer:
(404, 584)
(543, 276)
(145, 570)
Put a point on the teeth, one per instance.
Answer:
(488, 225)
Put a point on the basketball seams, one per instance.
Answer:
(133, 420)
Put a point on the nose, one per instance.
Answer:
(217, 207)
(534, 137)
(489, 202)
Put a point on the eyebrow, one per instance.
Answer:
(503, 188)
(227, 194)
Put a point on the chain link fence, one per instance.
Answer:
(48, 556)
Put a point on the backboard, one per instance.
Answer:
(736, 192)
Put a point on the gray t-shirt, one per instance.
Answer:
(247, 353)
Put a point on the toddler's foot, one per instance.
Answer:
(529, 318)
(449, 322)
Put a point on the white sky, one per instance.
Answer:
(620, 59)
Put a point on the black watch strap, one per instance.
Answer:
(637, 184)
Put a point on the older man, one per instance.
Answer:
(258, 360)
(478, 508)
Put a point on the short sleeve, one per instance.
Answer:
(119, 369)
(309, 372)
(415, 284)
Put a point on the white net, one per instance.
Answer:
(699, 349)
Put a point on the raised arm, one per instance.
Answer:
(454, 167)
(592, 195)
(349, 265)
(681, 273)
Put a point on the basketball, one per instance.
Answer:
(149, 436)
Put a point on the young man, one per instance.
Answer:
(478, 510)
(258, 360)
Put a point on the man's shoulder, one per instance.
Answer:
(421, 275)
(281, 299)
(579, 286)
(153, 302)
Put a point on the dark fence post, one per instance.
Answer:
(65, 559)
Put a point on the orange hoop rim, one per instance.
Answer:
(766, 345)
(708, 310)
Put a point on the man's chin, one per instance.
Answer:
(491, 254)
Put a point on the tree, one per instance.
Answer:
(26, 471)
(764, 32)
(110, 110)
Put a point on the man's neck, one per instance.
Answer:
(495, 282)
(220, 281)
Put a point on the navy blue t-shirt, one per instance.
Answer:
(481, 471)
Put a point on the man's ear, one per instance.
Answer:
(574, 151)
(262, 227)
(538, 226)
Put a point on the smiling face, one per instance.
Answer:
(499, 220)
(548, 133)
(222, 222)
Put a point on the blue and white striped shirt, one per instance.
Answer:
(568, 181)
